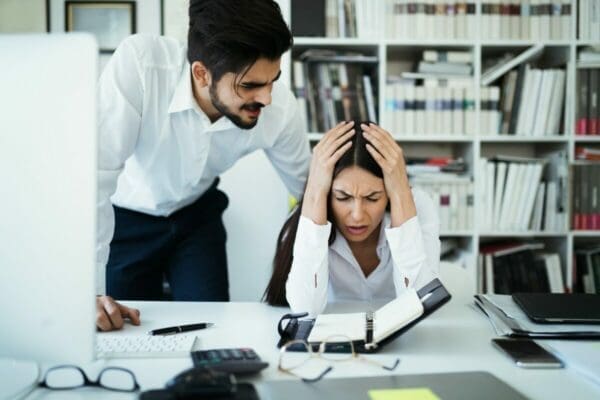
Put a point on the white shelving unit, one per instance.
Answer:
(471, 148)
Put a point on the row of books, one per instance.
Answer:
(454, 199)
(588, 98)
(587, 269)
(423, 19)
(587, 153)
(585, 179)
(337, 18)
(520, 194)
(589, 19)
(424, 110)
(332, 87)
(531, 102)
(500, 19)
(526, 19)
(509, 267)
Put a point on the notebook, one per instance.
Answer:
(474, 385)
(367, 332)
(552, 308)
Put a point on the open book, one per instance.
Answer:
(367, 331)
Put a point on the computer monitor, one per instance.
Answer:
(48, 197)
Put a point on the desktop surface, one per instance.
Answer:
(454, 339)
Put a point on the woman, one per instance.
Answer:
(385, 237)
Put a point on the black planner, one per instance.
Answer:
(292, 327)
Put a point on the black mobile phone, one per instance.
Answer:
(527, 353)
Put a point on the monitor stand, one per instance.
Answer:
(17, 377)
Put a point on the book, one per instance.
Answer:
(380, 327)
(308, 18)
(496, 71)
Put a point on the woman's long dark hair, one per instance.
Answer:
(357, 155)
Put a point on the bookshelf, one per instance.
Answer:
(394, 52)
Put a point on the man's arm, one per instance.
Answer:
(290, 154)
(120, 96)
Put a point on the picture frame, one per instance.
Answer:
(18, 16)
(174, 19)
(109, 21)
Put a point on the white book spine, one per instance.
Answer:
(454, 207)
(481, 194)
(538, 209)
(420, 110)
(461, 20)
(400, 113)
(545, 11)
(550, 211)
(430, 111)
(447, 111)
(490, 183)
(566, 12)
(534, 28)
(525, 19)
(458, 117)
(470, 125)
(515, 20)
(422, 21)
(391, 108)
(531, 190)
(484, 95)
(410, 114)
(494, 112)
(509, 187)
(499, 190)
(516, 202)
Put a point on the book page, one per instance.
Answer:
(396, 314)
(352, 325)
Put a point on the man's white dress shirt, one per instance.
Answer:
(322, 273)
(159, 152)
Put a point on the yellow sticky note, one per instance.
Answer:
(403, 394)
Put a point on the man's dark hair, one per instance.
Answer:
(230, 35)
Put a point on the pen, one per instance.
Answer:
(181, 328)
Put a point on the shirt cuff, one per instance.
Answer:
(407, 248)
(311, 243)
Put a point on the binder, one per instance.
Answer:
(432, 297)
(518, 327)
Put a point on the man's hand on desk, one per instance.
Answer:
(110, 314)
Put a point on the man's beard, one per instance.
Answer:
(224, 110)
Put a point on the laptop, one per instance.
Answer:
(447, 386)
(552, 308)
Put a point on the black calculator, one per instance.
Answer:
(233, 361)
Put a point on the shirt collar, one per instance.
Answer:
(183, 97)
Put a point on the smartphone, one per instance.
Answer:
(527, 353)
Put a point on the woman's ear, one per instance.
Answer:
(201, 74)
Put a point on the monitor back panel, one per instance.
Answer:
(48, 207)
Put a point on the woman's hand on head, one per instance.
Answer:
(390, 157)
(326, 153)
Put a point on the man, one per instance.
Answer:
(171, 121)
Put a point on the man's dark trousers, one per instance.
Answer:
(187, 247)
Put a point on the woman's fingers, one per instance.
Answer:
(335, 138)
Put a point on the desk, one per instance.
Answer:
(455, 338)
